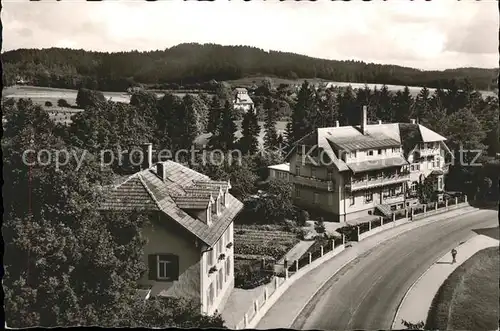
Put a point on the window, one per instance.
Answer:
(379, 152)
(370, 153)
(297, 170)
(414, 187)
(412, 167)
(368, 197)
(395, 150)
(329, 174)
(297, 192)
(163, 267)
(351, 200)
(316, 198)
(385, 193)
(393, 192)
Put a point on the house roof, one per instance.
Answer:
(214, 191)
(377, 164)
(349, 138)
(145, 190)
(281, 167)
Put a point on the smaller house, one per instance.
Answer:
(242, 100)
(279, 171)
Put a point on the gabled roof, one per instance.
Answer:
(280, 167)
(429, 135)
(349, 138)
(193, 201)
(144, 190)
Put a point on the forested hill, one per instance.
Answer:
(190, 64)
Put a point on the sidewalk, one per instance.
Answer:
(415, 305)
(288, 307)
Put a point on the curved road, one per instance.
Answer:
(366, 293)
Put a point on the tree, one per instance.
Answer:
(276, 204)
(303, 113)
(426, 191)
(48, 104)
(422, 106)
(328, 109)
(402, 105)
(214, 115)
(89, 98)
(383, 104)
(271, 134)
(250, 130)
(347, 107)
(225, 137)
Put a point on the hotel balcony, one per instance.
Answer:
(321, 184)
(425, 152)
(377, 182)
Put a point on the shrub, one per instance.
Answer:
(303, 218)
(48, 104)
(63, 103)
(319, 226)
(248, 275)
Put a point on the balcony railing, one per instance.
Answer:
(377, 182)
(429, 152)
(321, 184)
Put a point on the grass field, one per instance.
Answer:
(469, 298)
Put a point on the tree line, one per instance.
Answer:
(194, 65)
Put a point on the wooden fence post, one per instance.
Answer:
(381, 221)
(369, 225)
(277, 281)
(286, 274)
(465, 198)
(406, 213)
(333, 244)
(358, 231)
(446, 203)
(436, 206)
(310, 257)
(266, 294)
(343, 239)
(393, 217)
(296, 265)
(412, 213)
(425, 209)
(256, 305)
(245, 320)
(456, 201)
(321, 250)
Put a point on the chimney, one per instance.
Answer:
(337, 124)
(147, 155)
(161, 171)
(363, 121)
(412, 121)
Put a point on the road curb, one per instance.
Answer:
(375, 246)
(394, 321)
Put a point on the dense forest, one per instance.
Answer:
(191, 65)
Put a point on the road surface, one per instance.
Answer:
(366, 293)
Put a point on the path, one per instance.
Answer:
(418, 300)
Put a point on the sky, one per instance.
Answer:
(433, 35)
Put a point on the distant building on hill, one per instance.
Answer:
(242, 100)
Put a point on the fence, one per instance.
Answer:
(296, 269)
(293, 271)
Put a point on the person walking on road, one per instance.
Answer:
(454, 255)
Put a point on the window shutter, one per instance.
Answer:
(152, 267)
(174, 270)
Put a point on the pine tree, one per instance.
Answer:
(303, 113)
(422, 105)
(271, 134)
(363, 98)
(328, 109)
(402, 103)
(383, 106)
(249, 142)
(214, 114)
(225, 136)
(347, 107)
(189, 119)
